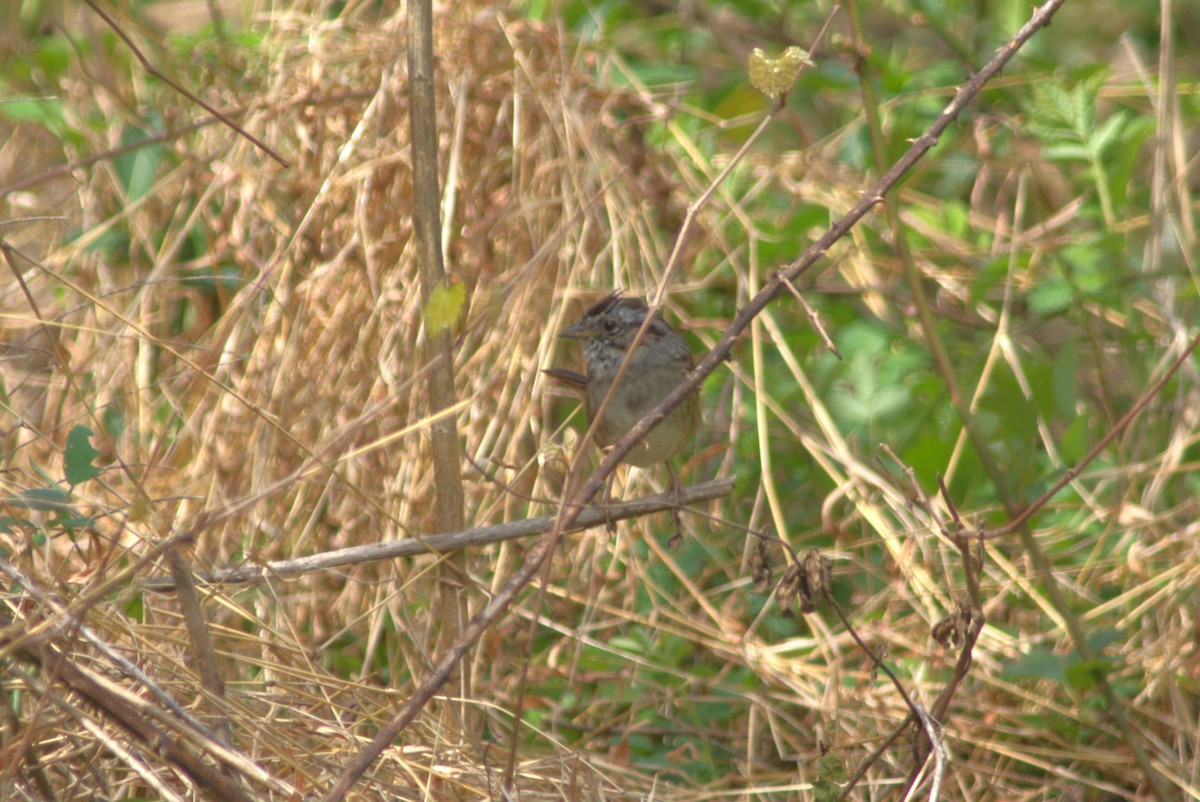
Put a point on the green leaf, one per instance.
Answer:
(831, 767)
(1101, 638)
(622, 643)
(1070, 669)
(1076, 440)
(824, 791)
(78, 456)
(12, 526)
(136, 169)
(1050, 296)
(74, 523)
(1067, 153)
(46, 500)
(1064, 375)
(1038, 664)
(1084, 674)
(47, 112)
(445, 305)
(1106, 133)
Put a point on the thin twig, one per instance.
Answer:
(874, 658)
(438, 544)
(873, 758)
(200, 639)
(150, 68)
(812, 317)
(934, 733)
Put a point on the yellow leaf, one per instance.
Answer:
(444, 307)
(775, 76)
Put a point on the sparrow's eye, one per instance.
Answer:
(611, 326)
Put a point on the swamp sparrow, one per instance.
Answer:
(663, 358)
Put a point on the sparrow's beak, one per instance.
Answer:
(576, 331)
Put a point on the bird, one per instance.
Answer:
(661, 361)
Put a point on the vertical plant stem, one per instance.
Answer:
(451, 609)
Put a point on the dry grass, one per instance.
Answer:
(281, 391)
(285, 402)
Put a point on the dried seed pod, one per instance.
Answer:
(554, 461)
(789, 585)
(760, 566)
(814, 582)
(945, 632)
(950, 630)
